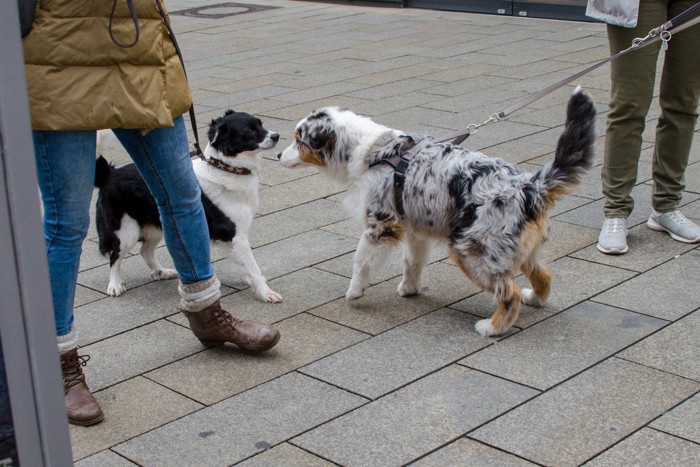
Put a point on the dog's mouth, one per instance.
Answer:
(289, 158)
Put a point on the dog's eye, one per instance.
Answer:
(250, 133)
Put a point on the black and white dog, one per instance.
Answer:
(492, 213)
(127, 213)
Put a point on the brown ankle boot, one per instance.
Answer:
(81, 405)
(214, 326)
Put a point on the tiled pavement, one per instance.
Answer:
(606, 374)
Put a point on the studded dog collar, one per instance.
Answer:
(221, 165)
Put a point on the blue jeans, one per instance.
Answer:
(66, 171)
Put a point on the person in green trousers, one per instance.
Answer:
(632, 91)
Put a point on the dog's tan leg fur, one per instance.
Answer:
(506, 313)
(507, 292)
(541, 280)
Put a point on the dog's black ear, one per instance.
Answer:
(229, 112)
(319, 136)
(215, 129)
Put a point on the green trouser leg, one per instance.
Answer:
(633, 77)
(679, 97)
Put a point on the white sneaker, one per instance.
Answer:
(676, 224)
(613, 236)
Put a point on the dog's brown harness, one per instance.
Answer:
(400, 163)
(221, 165)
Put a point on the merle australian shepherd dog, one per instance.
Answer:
(127, 213)
(492, 213)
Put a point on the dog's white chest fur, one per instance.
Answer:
(235, 195)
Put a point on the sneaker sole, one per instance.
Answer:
(653, 225)
(613, 251)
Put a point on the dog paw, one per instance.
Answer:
(163, 274)
(406, 290)
(116, 289)
(354, 293)
(484, 327)
(273, 297)
(529, 297)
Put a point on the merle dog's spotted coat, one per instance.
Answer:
(492, 213)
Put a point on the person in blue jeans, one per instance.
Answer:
(135, 86)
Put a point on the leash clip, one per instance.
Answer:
(665, 38)
(474, 127)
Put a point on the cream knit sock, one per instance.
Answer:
(199, 295)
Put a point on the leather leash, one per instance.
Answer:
(661, 33)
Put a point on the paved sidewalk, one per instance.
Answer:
(607, 374)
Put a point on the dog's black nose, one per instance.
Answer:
(275, 137)
(279, 156)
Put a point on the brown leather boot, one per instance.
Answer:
(81, 405)
(214, 326)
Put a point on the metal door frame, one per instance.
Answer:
(27, 326)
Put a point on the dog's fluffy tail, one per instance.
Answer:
(103, 170)
(574, 153)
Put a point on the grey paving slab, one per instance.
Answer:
(692, 176)
(674, 349)
(134, 272)
(84, 295)
(649, 447)
(113, 315)
(422, 346)
(343, 87)
(477, 104)
(289, 255)
(296, 192)
(347, 227)
(574, 282)
(683, 421)
(517, 151)
(439, 408)
(692, 210)
(242, 426)
(127, 416)
(591, 215)
(467, 452)
(285, 455)
(104, 459)
(137, 351)
(381, 308)
(392, 267)
(551, 351)
(376, 107)
(564, 239)
(587, 414)
(668, 291)
(295, 220)
(301, 291)
(273, 173)
(304, 339)
(91, 256)
(567, 204)
(647, 249)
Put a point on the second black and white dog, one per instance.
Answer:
(127, 213)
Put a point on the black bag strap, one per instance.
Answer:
(134, 18)
(26, 15)
(193, 120)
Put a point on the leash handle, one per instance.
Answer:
(663, 33)
(193, 119)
